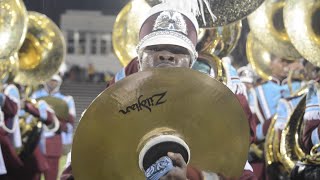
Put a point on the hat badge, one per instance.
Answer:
(172, 21)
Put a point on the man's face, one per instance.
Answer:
(279, 68)
(52, 84)
(164, 56)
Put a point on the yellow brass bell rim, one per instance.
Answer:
(13, 27)
(262, 25)
(42, 52)
(259, 57)
(8, 68)
(219, 41)
(125, 36)
(226, 11)
(302, 23)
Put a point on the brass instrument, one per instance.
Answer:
(219, 41)
(290, 149)
(132, 110)
(259, 57)
(273, 156)
(214, 65)
(30, 135)
(224, 11)
(271, 145)
(126, 30)
(13, 27)
(267, 25)
(8, 69)
(42, 52)
(301, 19)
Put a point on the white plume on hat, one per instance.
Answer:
(194, 6)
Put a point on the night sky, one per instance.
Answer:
(54, 8)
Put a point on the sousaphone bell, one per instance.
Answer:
(259, 57)
(223, 11)
(13, 27)
(301, 19)
(267, 25)
(42, 51)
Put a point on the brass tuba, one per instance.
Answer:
(8, 68)
(125, 30)
(278, 164)
(215, 13)
(13, 27)
(42, 51)
(259, 57)
(290, 143)
(219, 41)
(301, 19)
(267, 25)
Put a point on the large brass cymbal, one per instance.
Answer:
(13, 27)
(226, 11)
(267, 25)
(301, 19)
(59, 106)
(42, 51)
(126, 30)
(219, 41)
(204, 111)
(259, 57)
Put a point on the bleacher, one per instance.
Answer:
(83, 93)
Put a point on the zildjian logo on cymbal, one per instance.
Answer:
(147, 103)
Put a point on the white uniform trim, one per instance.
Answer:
(248, 167)
(315, 137)
(266, 109)
(256, 106)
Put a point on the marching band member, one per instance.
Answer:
(51, 143)
(266, 99)
(9, 103)
(168, 37)
(19, 167)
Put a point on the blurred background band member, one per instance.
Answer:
(9, 102)
(51, 143)
(267, 96)
(11, 106)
